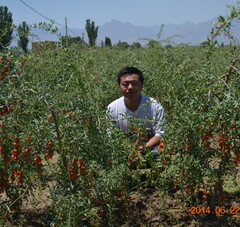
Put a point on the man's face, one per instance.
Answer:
(130, 86)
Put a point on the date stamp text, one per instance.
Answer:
(218, 211)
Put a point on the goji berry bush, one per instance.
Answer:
(54, 133)
(54, 129)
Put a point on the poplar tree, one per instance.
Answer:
(92, 32)
(108, 42)
(6, 27)
(23, 32)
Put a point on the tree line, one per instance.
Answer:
(23, 32)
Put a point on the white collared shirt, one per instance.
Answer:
(150, 114)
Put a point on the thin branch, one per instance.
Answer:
(53, 116)
(230, 71)
(54, 120)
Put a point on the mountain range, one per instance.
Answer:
(185, 33)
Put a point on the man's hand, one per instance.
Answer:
(153, 142)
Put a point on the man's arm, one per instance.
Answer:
(153, 142)
(159, 126)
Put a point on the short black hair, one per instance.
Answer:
(130, 71)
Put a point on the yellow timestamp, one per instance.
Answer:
(232, 211)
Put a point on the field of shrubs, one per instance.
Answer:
(60, 167)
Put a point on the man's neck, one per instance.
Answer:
(133, 104)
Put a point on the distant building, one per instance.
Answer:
(37, 47)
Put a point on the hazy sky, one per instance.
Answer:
(136, 12)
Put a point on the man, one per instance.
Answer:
(133, 106)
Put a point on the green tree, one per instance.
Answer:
(122, 45)
(204, 43)
(68, 41)
(92, 32)
(6, 27)
(136, 45)
(108, 42)
(153, 44)
(23, 32)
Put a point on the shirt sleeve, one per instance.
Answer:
(111, 114)
(110, 119)
(159, 126)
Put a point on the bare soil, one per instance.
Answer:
(150, 208)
